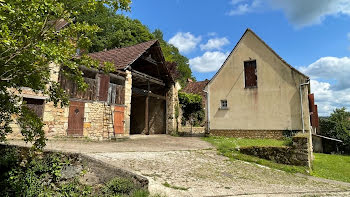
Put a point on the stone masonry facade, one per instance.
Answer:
(299, 153)
(98, 115)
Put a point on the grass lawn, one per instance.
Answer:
(336, 167)
(228, 147)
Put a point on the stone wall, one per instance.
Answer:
(272, 134)
(298, 154)
(194, 131)
(98, 123)
(173, 123)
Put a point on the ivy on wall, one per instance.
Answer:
(192, 110)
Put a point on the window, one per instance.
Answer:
(250, 74)
(223, 104)
(36, 105)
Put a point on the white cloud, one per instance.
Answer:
(234, 2)
(243, 8)
(348, 35)
(328, 99)
(215, 43)
(330, 83)
(208, 62)
(307, 12)
(331, 68)
(185, 42)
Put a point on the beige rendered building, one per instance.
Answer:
(256, 94)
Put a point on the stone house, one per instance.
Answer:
(256, 94)
(138, 98)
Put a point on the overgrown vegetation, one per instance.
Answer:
(24, 175)
(192, 110)
(229, 147)
(336, 167)
(338, 126)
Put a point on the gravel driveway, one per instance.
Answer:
(192, 167)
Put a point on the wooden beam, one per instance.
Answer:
(150, 60)
(98, 71)
(147, 93)
(146, 115)
(147, 77)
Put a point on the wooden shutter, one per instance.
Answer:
(250, 74)
(104, 85)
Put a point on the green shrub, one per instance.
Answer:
(119, 186)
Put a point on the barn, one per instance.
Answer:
(139, 97)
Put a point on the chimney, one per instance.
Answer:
(189, 80)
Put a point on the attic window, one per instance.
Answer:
(223, 104)
(250, 74)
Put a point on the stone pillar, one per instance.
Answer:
(173, 111)
(128, 93)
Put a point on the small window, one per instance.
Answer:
(36, 105)
(250, 74)
(223, 104)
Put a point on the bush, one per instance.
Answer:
(337, 126)
(119, 186)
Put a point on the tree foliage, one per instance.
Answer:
(337, 126)
(172, 54)
(30, 44)
(115, 30)
(192, 110)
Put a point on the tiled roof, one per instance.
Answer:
(122, 57)
(196, 87)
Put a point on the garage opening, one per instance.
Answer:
(148, 106)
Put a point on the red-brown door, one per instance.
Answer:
(76, 118)
(119, 119)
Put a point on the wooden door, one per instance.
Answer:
(119, 119)
(76, 118)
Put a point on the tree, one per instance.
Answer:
(115, 30)
(29, 43)
(191, 105)
(337, 126)
(172, 54)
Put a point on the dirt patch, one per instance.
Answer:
(205, 173)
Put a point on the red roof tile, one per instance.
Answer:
(196, 87)
(122, 57)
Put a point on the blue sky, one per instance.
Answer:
(311, 35)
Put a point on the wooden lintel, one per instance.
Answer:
(147, 77)
(147, 93)
(98, 71)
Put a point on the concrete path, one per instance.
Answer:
(192, 167)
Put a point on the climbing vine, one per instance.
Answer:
(192, 110)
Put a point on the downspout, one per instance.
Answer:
(301, 103)
(208, 110)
